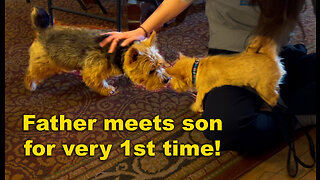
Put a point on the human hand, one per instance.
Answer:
(129, 36)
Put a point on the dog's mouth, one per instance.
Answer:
(167, 80)
(168, 85)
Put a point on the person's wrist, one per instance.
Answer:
(143, 31)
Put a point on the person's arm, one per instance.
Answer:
(167, 10)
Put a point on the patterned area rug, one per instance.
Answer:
(67, 95)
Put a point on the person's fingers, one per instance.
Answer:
(127, 42)
(107, 40)
(115, 37)
(113, 45)
(110, 33)
(114, 33)
(103, 42)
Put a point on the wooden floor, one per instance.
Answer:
(275, 167)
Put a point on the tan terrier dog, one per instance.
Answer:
(62, 49)
(258, 67)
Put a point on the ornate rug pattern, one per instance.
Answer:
(67, 95)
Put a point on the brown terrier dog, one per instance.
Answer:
(258, 67)
(61, 49)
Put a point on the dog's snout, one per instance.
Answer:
(166, 80)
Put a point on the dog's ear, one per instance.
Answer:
(151, 40)
(166, 65)
(174, 62)
(175, 74)
(135, 55)
(170, 71)
(132, 55)
(181, 56)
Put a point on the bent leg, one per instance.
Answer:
(244, 127)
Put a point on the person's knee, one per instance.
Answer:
(234, 106)
(230, 103)
(264, 123)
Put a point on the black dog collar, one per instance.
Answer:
(194, 70)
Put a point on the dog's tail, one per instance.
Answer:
(263, 45)
(39, 19)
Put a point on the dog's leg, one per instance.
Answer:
(39, 69)
(95, 76)
(29, 81)
(99, 85)
(197, 106)
(106, 85)
(40, 66)
(268, 94)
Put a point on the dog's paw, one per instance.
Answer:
(113, 91)
(32, 86)
(272, 101)
(29, 83)
(196, 108)
(109, 91)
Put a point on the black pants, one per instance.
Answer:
(244, 127)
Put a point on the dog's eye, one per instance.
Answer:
(152, 71)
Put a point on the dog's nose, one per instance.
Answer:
(166, 80)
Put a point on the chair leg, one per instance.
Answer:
(119, 15)
(50, 11)
(82, 5)
(101, 7)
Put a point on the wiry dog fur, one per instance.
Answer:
(61, 49)
(258, 67)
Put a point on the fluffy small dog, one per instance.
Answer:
(257, 67)
(62, 49)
